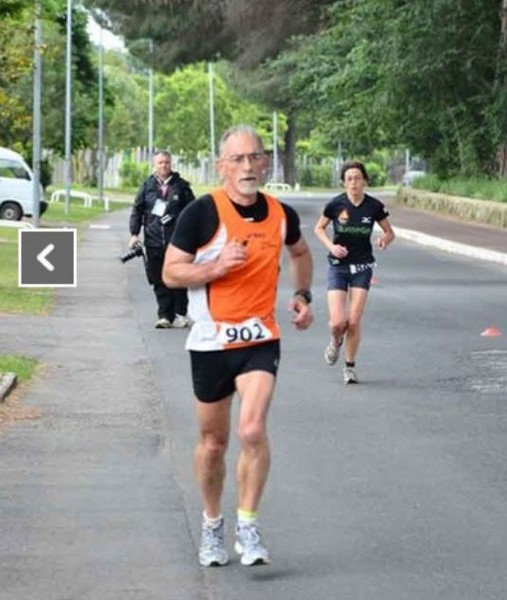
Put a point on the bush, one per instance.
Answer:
(377, 176)
(473, 187)
(316, 176)
(133, 173)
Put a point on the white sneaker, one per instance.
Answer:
(163, 323)
(249, 545)
(332, 352)
(180, 322)
(349, 375)
(212, 551)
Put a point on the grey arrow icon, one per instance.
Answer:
(41, 257)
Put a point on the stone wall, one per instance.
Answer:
(465, 209)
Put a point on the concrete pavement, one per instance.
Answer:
(89, 506)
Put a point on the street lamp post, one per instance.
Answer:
(150, 104)
(36, 143)
(100, 144)
(211, 116)
(68, 120)
(275, 147)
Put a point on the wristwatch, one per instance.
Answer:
(305, 294)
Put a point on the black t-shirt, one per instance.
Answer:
(353, 225)
(198, 222)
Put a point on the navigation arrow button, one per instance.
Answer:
(41, 257)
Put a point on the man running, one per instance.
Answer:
(227, 249)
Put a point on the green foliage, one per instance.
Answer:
(315, 175)
(485, 188)
(133, 173)
(10, 8)
(126, 118)
(78, 213)
(15, 72)
(16, 79)
(377, 177)
(84, 85)
(418, 73)
(429, 75)
(14, 299)
(182, 111)
(189, 31)
(23, 366)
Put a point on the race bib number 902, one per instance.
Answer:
(252, 330)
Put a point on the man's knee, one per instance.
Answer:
(214, 446)
(251, 434)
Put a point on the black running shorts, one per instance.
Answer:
(340, 278)
(214, 373)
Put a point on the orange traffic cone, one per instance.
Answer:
(491, 332)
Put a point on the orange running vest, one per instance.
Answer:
(238, 310)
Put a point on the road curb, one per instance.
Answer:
(7, 383)
(449, 246)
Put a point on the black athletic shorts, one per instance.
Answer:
(340, 278)
(214, 373)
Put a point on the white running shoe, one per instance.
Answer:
(332, 352)
(180, 322)
(249, 545)
(163, 323)
(212, 551)
(349, 375)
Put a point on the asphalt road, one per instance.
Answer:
(394, 489)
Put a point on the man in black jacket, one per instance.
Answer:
(158, 203)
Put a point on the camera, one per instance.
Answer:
(132, 253)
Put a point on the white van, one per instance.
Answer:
(16, 187)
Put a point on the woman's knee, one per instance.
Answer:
(338, 325)
(354, 326)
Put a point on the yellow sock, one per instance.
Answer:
(247, 516)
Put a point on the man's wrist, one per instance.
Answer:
(305, 294)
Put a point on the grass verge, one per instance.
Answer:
(23, 366)
(12, 409)
(76, 213)
(478, 188)
(39, 301)
(14, 299)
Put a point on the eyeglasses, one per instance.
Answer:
(238, 159)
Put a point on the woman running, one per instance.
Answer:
(351, 261)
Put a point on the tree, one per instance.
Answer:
(500, 114)
(16, 78)
(414, 72)
(245, 32)
(11, 8)
(125, 114)
(186, 31)
(15, 69)
(182, 110)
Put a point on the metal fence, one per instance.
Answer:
(85, 166)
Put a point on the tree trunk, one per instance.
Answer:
(289, 160)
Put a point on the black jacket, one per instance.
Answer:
(158, 230)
